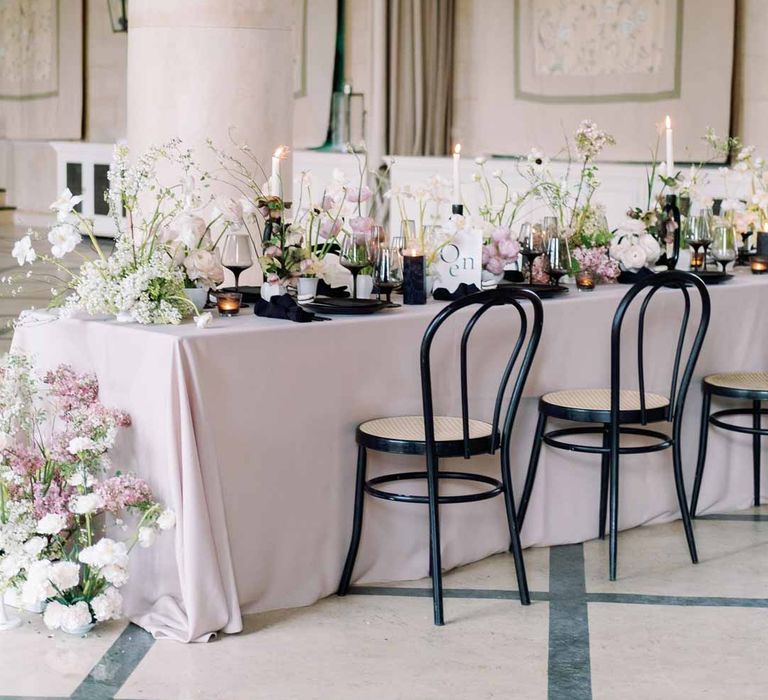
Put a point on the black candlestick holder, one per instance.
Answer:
(670, 223)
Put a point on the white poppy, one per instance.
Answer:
(23, 251)
(65, 204)
(63, 239)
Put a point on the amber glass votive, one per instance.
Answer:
(759, 265)
(228, 303)
(697, 260)
(585, 281)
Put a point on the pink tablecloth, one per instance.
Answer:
(247, 430)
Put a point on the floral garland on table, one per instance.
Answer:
(159, 251)
(58, 490)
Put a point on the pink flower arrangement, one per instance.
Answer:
(499, 250)
(123, 491)
(597, 261)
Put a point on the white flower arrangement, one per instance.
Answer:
(633, 247)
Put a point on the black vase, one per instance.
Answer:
(670, 224)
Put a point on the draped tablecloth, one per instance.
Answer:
(246, 429)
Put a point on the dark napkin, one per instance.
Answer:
(627, 277)
(463, 290)
(283, 307)
(325, 290)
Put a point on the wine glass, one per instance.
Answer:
(557, 259)
(388, 271)
(532, 241)
(237, 255)
(724, 245)
(699, 236)
(356, 255)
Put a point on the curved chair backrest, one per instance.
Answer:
(527, 342)
(673, 279)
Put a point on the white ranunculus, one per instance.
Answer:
(80, 444)
(23, 251)
(108, 605)
(64, 575)
(204, 319)
(86, 504)
(191, 229)
(166, 520)
(51, 524)
(116, 575)
(651, 247)
(633, 257)
(106, 552)
(76, 616)
(53, 615)
(63, 239)
(147, 536)
(65, 204)
(34, 546)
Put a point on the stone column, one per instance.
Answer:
(200, 69)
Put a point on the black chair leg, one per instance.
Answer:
(433, 484)
(702, 458)
(604, 471)
(514, 533)
(681, 497)
(533, 465)
(357, 522)
(756, 451)
(613, 478)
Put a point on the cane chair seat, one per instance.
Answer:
(405, 434)
(738, 384)
(595, 405)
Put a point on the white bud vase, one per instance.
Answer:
(7, 622)
(306, 289)
(269, 290)
(364, 286)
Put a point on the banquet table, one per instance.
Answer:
(246, 429)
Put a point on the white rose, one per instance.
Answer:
(633, 257)
(84, 505)
(51, 524)
(651, 247)
(204, 265)
(53, 615)
(80, 444)
(147, 536)
(166, 520)
(64, 575)
(105, 552)
(76, 616)
(108, 605)
(116, 575)
(34, 546)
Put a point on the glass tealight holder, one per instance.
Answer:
(228, 303)
(759, 265)
(697, 260)
(585, 281)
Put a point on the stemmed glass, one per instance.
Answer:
(724, 245)
(237, 255)
(532, 241)
(699, 236)
(356, 254)
(388, 271)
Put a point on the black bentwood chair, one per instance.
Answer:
(437, 437)
(752, 386)
(615, 409)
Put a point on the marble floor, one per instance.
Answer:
(665, 630)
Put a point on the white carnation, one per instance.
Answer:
(108, 605)
(76, 616)
(106, 552)
(51, 524)
(166, 520)
(147, 536)
(116, 575)
(34, 546)
(53, 615)
(86, 504)
(37, 587)
(80, 444)
(64, 575)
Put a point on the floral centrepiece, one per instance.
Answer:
(59, 493)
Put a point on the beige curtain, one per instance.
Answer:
(420, 76)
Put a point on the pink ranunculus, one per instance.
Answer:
(356, 195)
(501, 233)
(489, 251)
(328, 203)
(361, 224)
(330, 228)
(272, 251)
(495, 265)
(509, 249)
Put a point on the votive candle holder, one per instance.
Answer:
(585, 281)
(759, 265)
(228, 303)
(414, 277)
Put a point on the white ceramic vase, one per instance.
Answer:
(12, 598)
(489, 280)
(364, 286)
(198, 296)
(269, 290)
(79, 631)
(306, 289)
(7, 622)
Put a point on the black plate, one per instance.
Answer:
(349, 307)
(713, 276)
(543, 291)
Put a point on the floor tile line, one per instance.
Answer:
(418, 592)
(736, 517)
(118, 663)
(679, 601)
(569, 672)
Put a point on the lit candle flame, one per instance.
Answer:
(281, 152)
(668, 122)
(457, 149)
